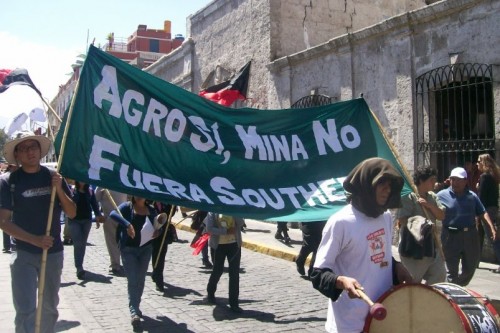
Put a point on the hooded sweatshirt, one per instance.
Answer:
(357, 243)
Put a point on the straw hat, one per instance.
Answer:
(8, 150)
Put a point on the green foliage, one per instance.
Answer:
(3, 140)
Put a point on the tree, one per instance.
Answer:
(3, 140)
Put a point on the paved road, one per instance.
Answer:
(274, 297)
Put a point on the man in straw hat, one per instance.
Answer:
(24, 209)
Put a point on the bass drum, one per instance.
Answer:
(440, 308)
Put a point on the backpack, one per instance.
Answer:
(198, 218)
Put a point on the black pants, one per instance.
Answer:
(6, 241)
(281, 227)
(232, 252)
(311, 238)
(157, 274)
(461, 248)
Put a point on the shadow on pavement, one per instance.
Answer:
(95, 277)
(163, 324)
(178, 292)
(64, 325)
(67, 284)
(264, 231)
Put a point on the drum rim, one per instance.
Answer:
(463, 318)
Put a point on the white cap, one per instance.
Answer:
(459, 173)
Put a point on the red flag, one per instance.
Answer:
(227, 92)
(10, 77)
(200, 243)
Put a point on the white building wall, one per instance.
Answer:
(382, 62)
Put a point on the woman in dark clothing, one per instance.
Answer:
(488, 194)
(136, 252)
(84, 197)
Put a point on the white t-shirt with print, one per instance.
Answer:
(356, 246)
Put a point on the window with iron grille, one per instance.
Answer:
(454, 120)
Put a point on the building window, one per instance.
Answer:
(454, 116)
(154, 45)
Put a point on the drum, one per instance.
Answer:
(442, 307)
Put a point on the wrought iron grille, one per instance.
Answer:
(312, 100)
(454, 116)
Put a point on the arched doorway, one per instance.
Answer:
(454, 120)
(312, 100)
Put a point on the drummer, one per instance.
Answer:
(355, 251)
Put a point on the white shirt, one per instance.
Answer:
(356, 246)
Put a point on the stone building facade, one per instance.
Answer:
(430, 71)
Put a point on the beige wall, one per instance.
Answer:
(299, 25)
(382, 62)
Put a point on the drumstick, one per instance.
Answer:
(377, 310)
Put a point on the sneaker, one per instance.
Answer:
(160, 287)
(236, 309)
(211, 299)
(117, 271)
(81, 275)
(207, 264)
(300, 269)
(6, 251)
(278, 236)
(136, 322)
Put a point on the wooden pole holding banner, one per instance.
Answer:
(170, 214)
(52, 110)
(407, 174)
(43, 266)
(394, 152)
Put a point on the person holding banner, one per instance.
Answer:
(25, 200)
(423, 259)
(355, 250)
(80, 225)
(135, 219)
(225, 240)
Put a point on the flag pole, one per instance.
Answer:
(43, 267)
(407, 174)
(394, 152)
(52, 110)
(171, 213)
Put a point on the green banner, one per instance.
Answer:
(133, 132)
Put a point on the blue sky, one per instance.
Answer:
(48, 40)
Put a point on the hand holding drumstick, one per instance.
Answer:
(355, 290)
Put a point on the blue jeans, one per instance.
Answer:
(79, 230)
(135, 263)
(25, 270)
